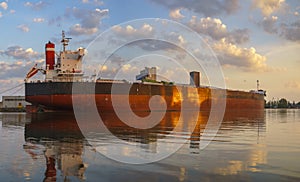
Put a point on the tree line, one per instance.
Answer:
(281, 103)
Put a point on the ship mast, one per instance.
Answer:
(257, 84)
(65, 41)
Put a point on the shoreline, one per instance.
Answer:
(12, 109)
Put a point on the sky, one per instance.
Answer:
(251, 39)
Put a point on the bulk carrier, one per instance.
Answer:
(56, 92)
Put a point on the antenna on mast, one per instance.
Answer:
(65, 41)
(257, 84)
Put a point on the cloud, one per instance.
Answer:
(95, 2)
(217, 30)
(129, 30)
(246, 58)
(175, 38)
(1, 14)
(38, 20)
(4, 5)
(176, 14)
(144, 32)
(23, 28)
(291, 31)
(90, 20)
(268, 7)
(77, 29)
(238, 36)
(152, 45)
(55, 20)
(117, 65)
(287, 29)
(287, 26)
(209, 26)
(115, 59)
(269, 24)
(17, 69)
(207, 8)
(20, 53)
(36, 6)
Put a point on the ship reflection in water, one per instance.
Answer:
(64, 144)
(62, 141)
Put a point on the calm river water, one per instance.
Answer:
(247, 147)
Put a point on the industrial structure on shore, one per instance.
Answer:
(13, 103)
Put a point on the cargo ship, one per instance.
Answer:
(64, 73)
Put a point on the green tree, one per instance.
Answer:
(283, 103)
(268, 104)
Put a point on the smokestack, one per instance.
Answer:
(195, 78)
(50, 55)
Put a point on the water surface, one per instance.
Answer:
(248, 147)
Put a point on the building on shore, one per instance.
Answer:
(13, 103)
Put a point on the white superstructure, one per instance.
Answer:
(68, 66)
